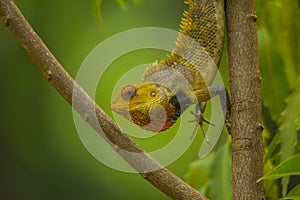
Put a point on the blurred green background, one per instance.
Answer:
(41, 154)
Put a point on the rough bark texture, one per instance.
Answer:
(245, 84)
(164, 180)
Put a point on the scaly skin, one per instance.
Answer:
(172, 85)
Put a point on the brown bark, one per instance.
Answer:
(164, 180)
(245, 84)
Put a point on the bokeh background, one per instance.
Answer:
(41, 155)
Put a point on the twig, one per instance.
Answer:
(162, 179)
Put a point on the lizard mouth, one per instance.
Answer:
(123, 107)
(120, 108)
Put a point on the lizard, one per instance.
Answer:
(170, 86)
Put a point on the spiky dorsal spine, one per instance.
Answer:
(199, 43)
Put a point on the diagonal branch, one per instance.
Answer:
(162, 179)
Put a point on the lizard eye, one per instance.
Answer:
(153, 94)
(128, 91)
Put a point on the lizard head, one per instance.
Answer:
(148, 105)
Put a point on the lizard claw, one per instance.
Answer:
(199, 119)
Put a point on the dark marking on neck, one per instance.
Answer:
(181, 102)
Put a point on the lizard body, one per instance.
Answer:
(184, 78)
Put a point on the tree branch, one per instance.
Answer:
(162, 179)
(245, 84)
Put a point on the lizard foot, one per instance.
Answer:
(199, 119)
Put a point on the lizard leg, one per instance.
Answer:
(225, 103)
(199, 119)
(204, 95)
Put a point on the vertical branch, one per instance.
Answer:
(245, 84)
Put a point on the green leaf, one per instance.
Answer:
(97, 11)
(297, 121)
(199, 172)
(298, 81)
(270, 186)
(288, 167)
(97, 8)
(124, 3)
(221, 174)
(288, 132)
(270, 150)
(294, 193)
(274, 81)
(212, 175)
(282, 21)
